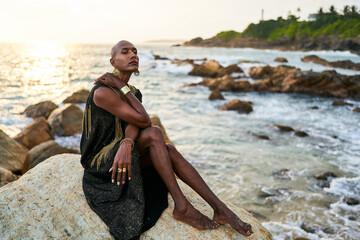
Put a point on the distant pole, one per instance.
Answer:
(262, 14)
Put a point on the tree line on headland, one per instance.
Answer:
(293, 34)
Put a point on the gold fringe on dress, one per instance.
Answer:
(86, 122)
(104, 152)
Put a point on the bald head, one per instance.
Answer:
(118, 47)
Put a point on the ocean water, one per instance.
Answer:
(222, 145)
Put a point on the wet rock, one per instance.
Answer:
(341, 103)
(237, 105)
(181, 62)
(213, 69)
(328, 230)
(315, 107)
(300, 238)
(356, 110)
(269, 192)
(280, 59)
(282, 173)
(176, 45)
(261, 72)
(7, 176)
(264, 137)
(216, 95)
(352, 218)
(158, 57)
(325, 176)
(307, 228)
(256, 215)
(12, 153)
(248, 61)
(41, 109)
(155, 121)
(37, 132)
(351, 201)
(346, 64)
(334, 136)
(78, 97)
(301, 133)
(31, 202)
(283, 128)
(66, 121)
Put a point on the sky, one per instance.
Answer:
(107, 21)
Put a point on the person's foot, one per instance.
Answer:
(225, 215)
(193, 217)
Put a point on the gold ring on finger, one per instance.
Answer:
(124, 169)
(119, 170)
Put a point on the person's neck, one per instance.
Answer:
(125, 76)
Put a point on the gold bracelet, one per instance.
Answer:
(124, 90)
(128, 139)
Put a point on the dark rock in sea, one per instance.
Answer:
(351, 201)
(35, 133)
(257, 215)
(314, 107)
(176, 45)
(213, 69)
(264, 137)
(77, 97)
(325, 176)
(283, 128)
(300, 238)
(334, 136)
(352, 218)
(12, 154)
(280, 59)
(41, 109)
(356, 110)
(66, 121)
(307, 228)
(238, 105)
(248, 61)
(341, 103)
(269, 192)
(301, 133)
(216, 95)
(181, 62)
(346, 64)
(282, 173)
(158, 57)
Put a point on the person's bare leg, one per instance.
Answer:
(188, 174)
(151, 141)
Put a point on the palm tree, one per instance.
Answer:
(332, 10)
(353, 10)
(346, 10)
(320, 13)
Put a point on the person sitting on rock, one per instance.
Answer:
(128, 167)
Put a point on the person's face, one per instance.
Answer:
(126, 58)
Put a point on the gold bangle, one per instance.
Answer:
(128, 139)
(124, 90)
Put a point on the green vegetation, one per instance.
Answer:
(324, 23)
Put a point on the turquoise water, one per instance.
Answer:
(221, 145)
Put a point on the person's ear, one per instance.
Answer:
(112, 61)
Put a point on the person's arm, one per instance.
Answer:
(131, 111)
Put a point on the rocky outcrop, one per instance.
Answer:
(281, 59)
(225, 83)
(283, 128)
(41, 109)
(357, 110)
(347, 64)
(48, 203)
(7, 176)
(237, 105)
(66, 121)
(341, 103)
(12, 153)
(216, 95)
(213, 69)
(78, 97)
(35, 133)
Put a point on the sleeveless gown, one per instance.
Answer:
(128, 209)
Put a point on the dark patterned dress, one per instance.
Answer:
(129, 209)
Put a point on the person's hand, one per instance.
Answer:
(110, 80)
(122, 161)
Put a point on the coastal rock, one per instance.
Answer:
(281, 59)
(264, 137)
(35, 133)
(314, 107)
(301, 133)
(158, 57)
(77, 97)
(351, 201)
(216, 95)
(225, 83)
(30, 208)
(213, 69)
(155, 121)
(325, 176)
(12, 153)
(282, 173)
(66, 121)
(346, 64)
(283, 128)
(7, 176)
(356, 110)
(51, 151)
(237, 105)
(41, 109)
(341, 103)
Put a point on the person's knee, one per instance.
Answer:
(155, 134)
(171, 148)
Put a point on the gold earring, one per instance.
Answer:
(116, 72)
(137, 73)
